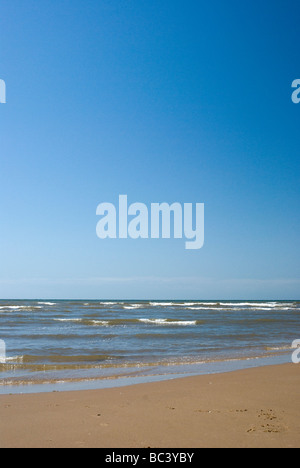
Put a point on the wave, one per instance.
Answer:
(20, 307)
(236, 305)
(266, 308)
(250, 304)
(278, 348)
(188, 304)
(169, 322)
(47, 361)
(162, 304)
(241, 306)
(129, 321)
(68, 320)
(5, 360)
(84, 321)
(100, 322)
(47, 303)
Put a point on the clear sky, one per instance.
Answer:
(186, 101)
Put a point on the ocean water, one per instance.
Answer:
(73, 341)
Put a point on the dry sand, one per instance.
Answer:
(250, 408)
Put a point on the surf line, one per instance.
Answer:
(137, 222)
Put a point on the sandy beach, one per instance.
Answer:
(251, 408)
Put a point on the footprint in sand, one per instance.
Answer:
(271, 423)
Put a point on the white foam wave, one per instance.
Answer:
(68, 320)
(168, 322)
(268, 308)
(186, 304)
(228, 307)
(5, 360)
(250, 304)
(278, 348)
(162, 304)
(19, 307)
(207, 304)
(47, 303)
(75, 320)
(100, 322)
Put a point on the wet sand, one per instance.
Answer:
(251, 408)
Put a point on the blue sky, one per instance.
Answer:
(162, 101)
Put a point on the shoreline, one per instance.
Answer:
(258, 407)
(156, 374)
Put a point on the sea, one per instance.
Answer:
(55, 345)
